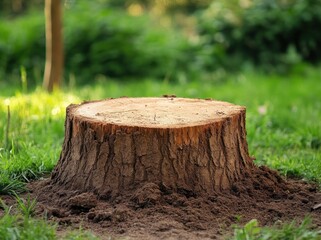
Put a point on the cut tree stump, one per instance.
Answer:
(183, 145)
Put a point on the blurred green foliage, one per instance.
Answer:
(98, 41)
(18, 7)
(115, 44)
(275, 34)
(22, 43)
(167, 6)
(12, 8)
(102, 38)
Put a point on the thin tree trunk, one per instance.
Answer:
(54, 45)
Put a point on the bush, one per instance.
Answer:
(98, 41)
(270, 33)
(22, 43)
(115, 44)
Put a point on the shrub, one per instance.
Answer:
(22, 43)
(98, 41)
(270, 33)
(112, 43)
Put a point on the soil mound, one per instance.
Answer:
(154, 212)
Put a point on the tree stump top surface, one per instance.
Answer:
(165, 112)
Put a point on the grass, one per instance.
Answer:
(288, 231)
(283, 119)
(21, 225)
(17, 227)
(35, 135)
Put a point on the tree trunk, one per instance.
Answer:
(54, 45)
(189, 145)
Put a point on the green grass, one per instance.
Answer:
(283, 119)
(22, 226)
(17, 227)
(31, 147)
(288, 231)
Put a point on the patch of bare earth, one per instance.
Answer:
(154, 212)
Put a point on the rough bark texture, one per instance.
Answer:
(116, 145)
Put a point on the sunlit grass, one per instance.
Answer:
(35, 134)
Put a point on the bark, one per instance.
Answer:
(188, 145)
(54, 45)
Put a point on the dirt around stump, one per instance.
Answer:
(154, 212)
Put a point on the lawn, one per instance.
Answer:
(283, 122)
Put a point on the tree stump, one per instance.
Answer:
(116, 145)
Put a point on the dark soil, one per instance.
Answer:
(154, 212)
